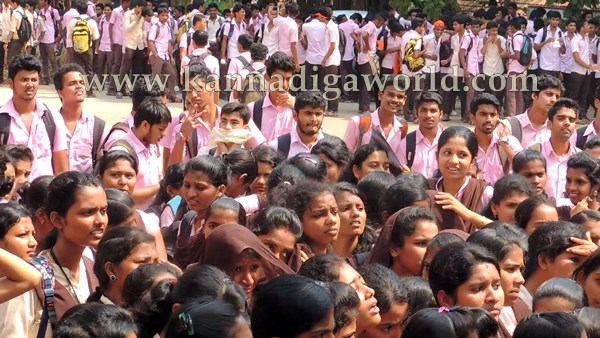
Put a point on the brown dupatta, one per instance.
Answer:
(188, 249)
(471, 198)
(224, 245)
(381, 250)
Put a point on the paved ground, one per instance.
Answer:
(113, 110)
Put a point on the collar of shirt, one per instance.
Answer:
(269, 103)
(137, 145)
(295, 137)
(548, 150)
(460, 192)
(525, 122)
(420, 137)
(590, 130)
(9, 107)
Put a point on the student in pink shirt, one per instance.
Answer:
(497, 147)
(514, 97)
(104, 55)
(26, 116)
(366, 39)
(116, 33)
(277, 116)
(149, 126)
(231, 33)
(309, 112)
(383, 119)
(161, 53)
(202, 117)
(85, 131)
(423, 158)
(139, 93)
(288, 31)
(469, 59)
(532, 126)
(562, 118)
(588, 132)
(200, 55)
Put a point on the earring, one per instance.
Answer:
(113, 278)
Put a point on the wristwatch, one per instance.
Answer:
(504, 139)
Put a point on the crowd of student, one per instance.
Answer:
(256, 223)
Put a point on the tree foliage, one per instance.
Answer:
(575, 7)
(433, 8)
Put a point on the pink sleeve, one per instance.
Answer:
(250, 203)
(465, 42)
(60, 133)
(293, 33)
(166, 217)
(351, 135)
(258, 138)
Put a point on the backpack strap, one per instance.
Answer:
(117, 126)
(283, 144)
(364, 124)
(4, 128)
(124, 144)
(50, 125)
(257, 113)
(515, 126)
(411, 145)
(503, 159)
(47, 297)
(99, 125)
(580, 143)
(243, 60)
(231, 28)
(186, 224)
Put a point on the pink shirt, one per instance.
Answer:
(516, 44)
(116, 19)
(160, 33)
(49, 15)
(211, 62)
(425, 156)
(530, 135)
(472, 57)
(203, 131)
(556, 169)
(589, 133)
(232, 50)
(67, 17)
(348, 28)
(235, 66)
(390, 59)
(352, 132)
(486, 196)
(104, 28)
(37, 137)
(148, 165)
(489, 162)
(79, 144)
(371, 29)
(288, 33)
(296, 145)
(276, 121)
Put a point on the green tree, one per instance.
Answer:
(433, 8)
(575, 7)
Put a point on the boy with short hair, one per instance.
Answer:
(149, 125)
(233, 131)
(309, 112)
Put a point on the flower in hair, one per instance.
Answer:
(443, 309)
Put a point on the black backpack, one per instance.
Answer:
(25, 29)
(445, 49)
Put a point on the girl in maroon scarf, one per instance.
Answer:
(234, 249)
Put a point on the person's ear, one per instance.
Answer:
(445, 299)
(356, 171)
(57, 220)
(494, 208)
(543, 261)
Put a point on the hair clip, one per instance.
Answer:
(186, 320)
(321, 284)
(307, 157)
(443, 309)
(174, 281)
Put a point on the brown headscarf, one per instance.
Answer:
(188, 249)
(381, 250)
(224, 245)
